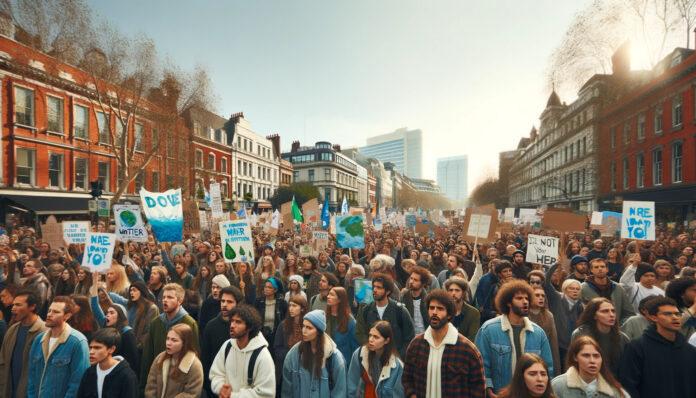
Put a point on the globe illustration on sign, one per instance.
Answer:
(128, 218)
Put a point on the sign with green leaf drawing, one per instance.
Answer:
(235, 238)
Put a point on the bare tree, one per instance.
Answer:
(687, 13)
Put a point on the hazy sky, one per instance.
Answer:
(469, 74)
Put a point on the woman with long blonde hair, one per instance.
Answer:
(117, 280)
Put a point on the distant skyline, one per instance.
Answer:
(469, 74)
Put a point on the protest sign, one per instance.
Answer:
(363, 290)
(203, 220)
(509, 215)
(320, 241)
(305, 251)
(192, 219)
(99, 250)
(164, 213)
(216, 201)
(528, 216)
(542, 250)
(378, 224)
(596, 218)
(350, 232)
(478, 226)
(638, 220)
(410, 220)
(422, 229)
(490, 231)
(52, 232)
(129, 224)
(563, 221)
(235, 239)
(310, 211)
(75, 231)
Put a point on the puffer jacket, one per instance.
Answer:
(389, 383)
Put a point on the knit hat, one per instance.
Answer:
(297, 278)
(577, 259)
(518, 251)
(221, 281)
(142, 288)
(644, 268)
(318, 319)
(268, 246)
(207, 244)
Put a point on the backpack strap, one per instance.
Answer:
(228, 347)
(252, 363)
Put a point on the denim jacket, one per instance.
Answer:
(389, 383)
(57, 373)
(495, 342)
(298, 382)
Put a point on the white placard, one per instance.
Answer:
(596, 218)
(638, 220)
(129, 223)
(542, 250)
(509, 215)
(479, 224)
(99, 251)
(215, 201)
(236, 241)
(75, 231)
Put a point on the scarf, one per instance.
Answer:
(603, 290)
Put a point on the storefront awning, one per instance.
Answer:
(46, 205)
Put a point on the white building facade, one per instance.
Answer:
(256, 164)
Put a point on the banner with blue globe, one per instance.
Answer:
(165, 213)
(129, 223)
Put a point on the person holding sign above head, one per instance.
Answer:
(639, 280)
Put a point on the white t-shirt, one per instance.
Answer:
(380, 310)
(51, 342)
(101, 375)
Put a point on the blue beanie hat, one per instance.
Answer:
(577, 259)
(318, 319)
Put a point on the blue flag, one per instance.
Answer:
(242, 213)
(344, 207)
(325, 217)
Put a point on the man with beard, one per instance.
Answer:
(578, 268)
(413, 298)
(441, 362)
(503, 339)
(520, 268)
(598, 284)
(467, 319)
(217, 330)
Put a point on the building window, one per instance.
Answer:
(218, 135)
(211, 161)
(103, 126)
(258, 172)
(327, 174)
(139, 138)
(658, 119)
(677, 111)
(169, 147)
(640, 170)
(612, 136)
(627, 133)
(119, 133)
(155, 186)
(223, 188)
(139, 182)
(296, 175)
(81, 127)
(311, 175)
(24, 106)
(677, 162)
(170, 181)
(26, 166)
(641, 128)
(223, 165)
(657, 166)
(81, 173)
(244, 169)
(54, 110)
(105, 175)
(626, 171)
(199, 158)
(55, 170)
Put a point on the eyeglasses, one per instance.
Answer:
(535, 282)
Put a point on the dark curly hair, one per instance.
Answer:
(508, 290)
(676, 288)
(250, 316)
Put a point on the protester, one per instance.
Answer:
(295, 288)
(578, 268)
(413, 297)
(177, 371)
(598, 284)
(530, 379)
(109, 375)
(375, 370)
(639, 281)
(211, 305)
(634, 326)
(140, 312)
(565, 306)
(272, 307)
(467, 319)
(539, 314)
(288, 334)
(683, 291)
(340, 324)
(327, 281)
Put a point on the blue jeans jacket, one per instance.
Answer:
(389, 383)
(57, 374)
(495, 342)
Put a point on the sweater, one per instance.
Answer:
(119, 383)
(6, 350)
(232, 369)
(618, 297)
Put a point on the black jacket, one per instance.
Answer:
(209, 310)
(120, 383)
(128, 349)
(216, 333)
(652, 366)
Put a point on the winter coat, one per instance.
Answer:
(233, 370)
(145, 319)
(570, 385)
(6, 351)
(565, 317)
(188, 384)
(396, 314)
(281, 310)
(467, 322)
(496, 344)
(57, 373)
(128, 347)
(389, 384)
(549, 327)
(209, 310)
(346, 342)
(119, 383)
(652, 366)
(618, 297)
(216, 333)
(299, 382)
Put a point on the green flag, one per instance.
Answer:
(296, 215)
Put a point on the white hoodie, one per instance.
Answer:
(233, 370)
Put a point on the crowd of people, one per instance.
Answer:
(612, 318)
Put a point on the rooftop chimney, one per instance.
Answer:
(275, 139)
(295, 146)
(237, 116)
(337, 148)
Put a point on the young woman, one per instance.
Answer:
(587, 375)
(530, 379)
(203, 280)
(82, 318)
(272, 307)
(539, 314)
(66, 283)
(246, 282)
(598, 321)
(615, 262)
(191, 263)
(264, 270)
(295, 288)
(341, 272)
(340, 324)
(140, 311)
(225, 269)
(176, 372)
(84, 281)
(290, 268)
(311, 276)
(117, 280)
(375, 370)
(665, 273)
(288, 333)
(314, 368)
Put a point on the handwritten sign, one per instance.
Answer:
(52, 232)
(98, 251)
(129, 224)
(542, 250)
(320, 241)
(638, 220)
(479, 225)
(235, 238)
(163, 211)
(192, 218)
(215, 201)
(75, 231)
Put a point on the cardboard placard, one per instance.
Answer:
(52, 232)
(192, 219)
(422, 229)
(310, 211)
(320, 241)
(493, 226)
(564, 222)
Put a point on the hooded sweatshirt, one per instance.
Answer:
(233, 369)
(119, 383)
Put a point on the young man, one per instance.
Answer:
(578, 268)
(229, 373)
(326, 283)
(386, 309)
(216, 332)
(211, 304)
(58, 356)
(454, 261)
(467, 319)
(441, 362)
(660, 363)
(14, 352)
(35, 280)
(636, 325)
(683, 291)
(520, 268)
(109, 376)
(598, 284)
(639, 281)
(413, 298)
(173, 314)
(503, 339)
(597, 250)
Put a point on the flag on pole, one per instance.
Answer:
(344, 207)
(242, 213)
(296, 215)
(325, 217)
(207, 196)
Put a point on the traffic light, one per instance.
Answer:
(96, 188)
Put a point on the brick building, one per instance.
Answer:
(647, 144)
